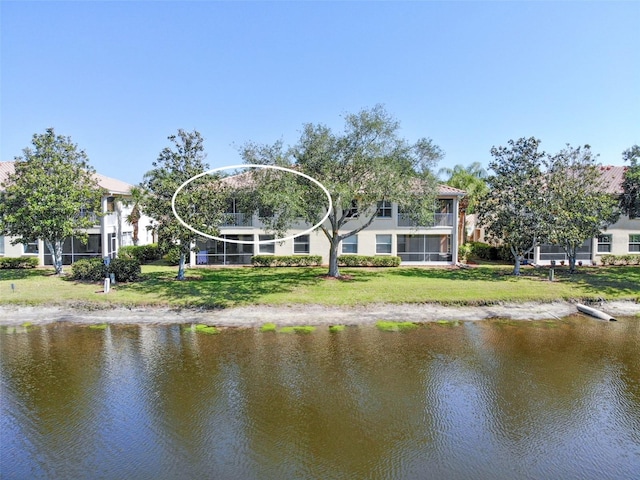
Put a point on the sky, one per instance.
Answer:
(120, 77)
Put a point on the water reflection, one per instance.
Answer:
(491, 399)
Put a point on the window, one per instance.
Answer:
(384, 209)
(604, 243)
(383, 243)
(1, 245)
(634, 243)
(424, 248)
(301, 244)
(111, 204)
(353, 210)
(216, 252)
(350, 245)
(266, 248)
(31, 248)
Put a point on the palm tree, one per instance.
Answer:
(137, 195)
(471, 179)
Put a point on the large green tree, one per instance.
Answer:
(630, 199)
(367, 163)
(200, 205)
(577, 205)
(512, 210)
(52, 195)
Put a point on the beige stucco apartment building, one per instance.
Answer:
(620, 238)
(110, 232)
(389, 234)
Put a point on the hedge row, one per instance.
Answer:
(142, 253)
(286, 260)
(484, 251)
(18, 262)
(630, 259)
(368, 261)
(94, 269)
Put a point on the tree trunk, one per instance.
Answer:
(571, 255)
(516, 264)
(55, 248)
(333, 259)
(181, 265)
(135, 233)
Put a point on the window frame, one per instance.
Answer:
(604, 240)
(299, 242)
(270, 246)
(382, 208)
(26, 245)
(351, 241)
(352, 212)
(634, 242)
(379, 244)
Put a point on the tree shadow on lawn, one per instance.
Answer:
(617, 282)
(486, 274)
(22, 273)
(221, 288)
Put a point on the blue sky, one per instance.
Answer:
(119, 77)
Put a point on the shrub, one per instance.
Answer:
(464, 252)
(172, 256)
(142, 253)
(629, 259)
(92, 269)
(481, 250)
(18, 262)
(125, 270)
(368, 261)
(286, 260)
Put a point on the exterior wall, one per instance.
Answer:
(319, 244)
(620, 232)
(113, 230)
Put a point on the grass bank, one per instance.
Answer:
(230, 287)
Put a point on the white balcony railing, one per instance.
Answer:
(439, 220)
(237, 220)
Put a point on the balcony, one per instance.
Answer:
(237, 220)
(439, 220)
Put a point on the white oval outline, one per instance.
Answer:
(251, 165)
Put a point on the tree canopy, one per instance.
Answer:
(367, 163)
(52, 195)
(201, 204)
(630, 199)
(576, 203)
(512, 210)
(537, 198)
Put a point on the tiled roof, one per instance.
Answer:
(111, 185)
(612, 176)
(447, 190)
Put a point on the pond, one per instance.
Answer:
(491, 399)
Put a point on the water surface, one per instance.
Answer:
(491, 399)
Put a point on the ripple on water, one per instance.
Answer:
(479, 400)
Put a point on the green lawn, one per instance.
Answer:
(227, 287)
